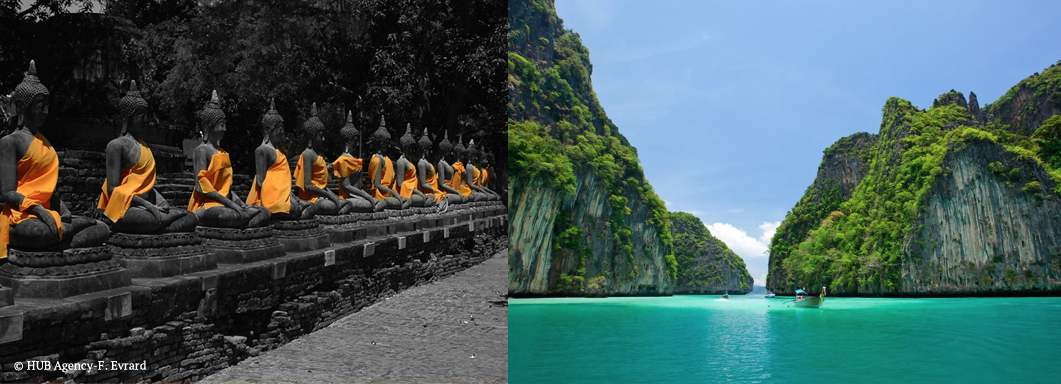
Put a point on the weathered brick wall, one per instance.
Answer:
(187, 327)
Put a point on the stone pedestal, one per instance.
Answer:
(7, 296)
(300, 235)
(163, 255)
(240, 246)
(62, 274)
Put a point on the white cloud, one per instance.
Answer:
(768, 229)
(761, 280)
(738, 240)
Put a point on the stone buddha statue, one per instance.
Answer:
(381, 170)
(33, 217)
(311, 173)
(479, 174)
(428, 178)
(446, 172)
(408, 186)
(348, 169)
(271, 187)
(459, 180)
(129, 199)
(472, 175)
(212, 201)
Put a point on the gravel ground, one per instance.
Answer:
(452, 330)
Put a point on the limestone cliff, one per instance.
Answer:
(954, 201)
(705, 264)
(583, 220)
(843, 166)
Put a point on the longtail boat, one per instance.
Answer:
(805, 301)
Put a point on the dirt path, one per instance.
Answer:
(446, 331)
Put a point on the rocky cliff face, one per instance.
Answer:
(536, 267)
(955, 201)
(984, 231)
(843, 166)
(583, 219)
(705, 264)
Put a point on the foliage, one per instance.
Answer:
(858, 249)
(558, 128)
(435, 63)
(701, 258)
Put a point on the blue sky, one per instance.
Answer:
(730, 104)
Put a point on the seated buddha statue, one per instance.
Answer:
(446, 172)
(311, 173)
(212, 201)
(349, 171)
(271, 187)
(381, 170)
(428, 178)
(408, 185)
(485, 179)
(33, 217)
(460, 178)
(129, 199)
(472, 175)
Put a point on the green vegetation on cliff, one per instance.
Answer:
(557, 128)
(857, 248)
(705, 263)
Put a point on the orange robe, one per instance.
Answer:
(215, 178)
(458, 176)
(37, 173)
(386, 179)
(343, 167)
(275, 194)
(477, 177)
(409, 181)
(134, 181)
(318, 178)
(483, 177)
(432, 182)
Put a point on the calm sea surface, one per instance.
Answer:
(753, 339)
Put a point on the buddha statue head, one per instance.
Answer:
(470, 152)
(31, 100)
(212, 120)
(313, 128)
(459, 149)
(133, 110)
(379, 139)
(425, 144)
(445, 147)
(272, 122)
(408, 142)
(350, 133)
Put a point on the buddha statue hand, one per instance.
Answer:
(47, 218)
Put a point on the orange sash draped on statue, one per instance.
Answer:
(458, 176)
(386, 178)
(37, 173)
(275, 194)
(215, 178)
(432, 182)
(409, 181)
(343, 167)
(318, 178)
(134, 181)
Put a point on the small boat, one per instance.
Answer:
(725, 295)
(805, 301)
(769, 295)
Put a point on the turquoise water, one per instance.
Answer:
(753, 339)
